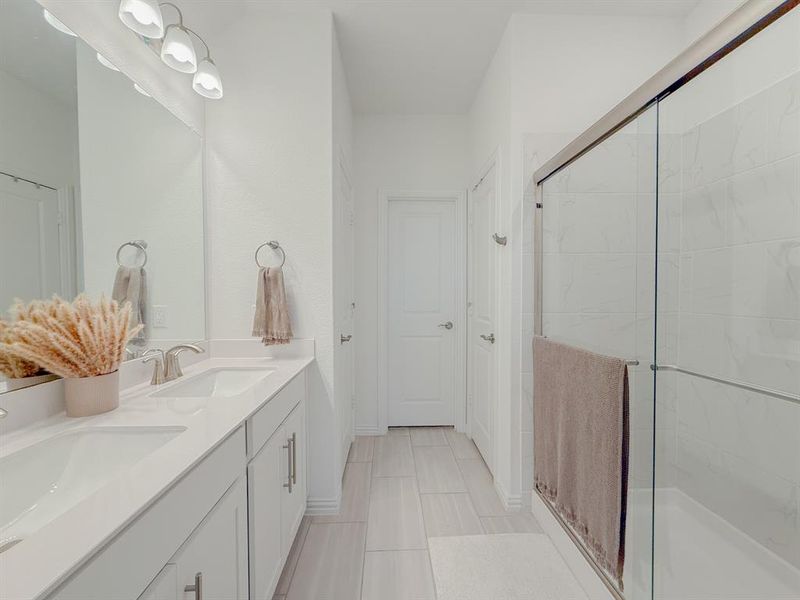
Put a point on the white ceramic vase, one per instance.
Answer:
(87, 396)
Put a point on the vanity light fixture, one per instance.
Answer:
(56, 23)
(142, 16)
(177, 50)
(145, 17)
(106, 63)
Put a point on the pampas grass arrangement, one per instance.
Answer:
(70, 339)
(10, 365)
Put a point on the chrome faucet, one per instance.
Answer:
(157, 355)
(172, 364)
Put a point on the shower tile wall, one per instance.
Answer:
(738, 177)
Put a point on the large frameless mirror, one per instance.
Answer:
(100, 186)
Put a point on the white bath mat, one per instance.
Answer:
(501, 567)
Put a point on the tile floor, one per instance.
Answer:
(398, 490)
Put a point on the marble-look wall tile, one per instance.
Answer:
(784, 118)
(708, 150)
(704, 220)
(590, 223)
(764, 203)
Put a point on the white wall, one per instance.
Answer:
(564, 72)
(141, 178)
(269, 176)
(394, 153)
(39, 140)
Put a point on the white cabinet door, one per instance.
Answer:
(216, 551)
(293, 504)
(265, 477)
(164, 586)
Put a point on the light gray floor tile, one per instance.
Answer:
(428, 436)
(398, 575)
(437, 470)
(462, 446)
(513, 522)
(481, 488)
(291, 560)
(355, 495)
(361, 449)
(393, 457)
(395, 515)
(449, 514)
(330, 564)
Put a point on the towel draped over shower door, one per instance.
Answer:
(581, 442)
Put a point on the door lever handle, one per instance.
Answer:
(197, 588)
(343, 339)
(448, 325)
(489, 338)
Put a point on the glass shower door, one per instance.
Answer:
(598, 291)
(728, 385)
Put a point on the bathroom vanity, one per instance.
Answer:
(207, 495)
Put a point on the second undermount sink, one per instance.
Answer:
(217, 383)
(44, 480)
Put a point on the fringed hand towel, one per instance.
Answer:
(271, 322)
(130, 285)
(581, 444)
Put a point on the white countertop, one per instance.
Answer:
(34, 567)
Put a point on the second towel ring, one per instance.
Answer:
(275, 246)
(140, 244)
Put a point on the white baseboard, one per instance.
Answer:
(584, 573)
(511, 502)
(368, 430)
(323, 506)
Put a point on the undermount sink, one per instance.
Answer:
(44, 480)
(216, 383)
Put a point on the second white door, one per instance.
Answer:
(422, 312)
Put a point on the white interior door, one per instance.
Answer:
(481, 316)
(29, 226)
(345, 308)
(422, 311)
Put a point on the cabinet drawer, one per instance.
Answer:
(126, 566)
(269, 417)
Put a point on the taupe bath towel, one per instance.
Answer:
(130, 285)
(271, 322)
(581, 444)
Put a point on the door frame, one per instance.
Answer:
(459, 197)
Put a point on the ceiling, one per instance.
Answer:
(429, 57)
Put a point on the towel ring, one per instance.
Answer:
(140, 244)
(275, 246)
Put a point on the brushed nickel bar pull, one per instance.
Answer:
(294, 458)
(288, 448)
(197, 588)
(737, 384)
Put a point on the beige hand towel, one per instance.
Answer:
(581, 444)
(130, 285)
(271, 322)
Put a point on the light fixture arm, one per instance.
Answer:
(202, 41)
(180, 14)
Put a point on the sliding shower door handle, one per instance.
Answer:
(489, 338)
(197, 588)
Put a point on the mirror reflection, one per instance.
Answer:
(100, 186)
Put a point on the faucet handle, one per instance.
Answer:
(157, 355)
(172, 368)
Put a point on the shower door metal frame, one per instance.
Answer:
(736, 29)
